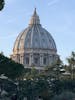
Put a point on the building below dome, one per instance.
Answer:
(34, 46)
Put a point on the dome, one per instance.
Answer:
(34, 45)
(34, 37)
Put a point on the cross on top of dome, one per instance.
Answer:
(35, 18)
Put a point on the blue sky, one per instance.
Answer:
(57, 16)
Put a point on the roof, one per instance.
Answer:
(35, 36)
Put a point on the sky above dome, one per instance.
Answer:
(57, 16)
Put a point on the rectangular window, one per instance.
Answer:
(44, 61)
(36, 60)
(27, 60)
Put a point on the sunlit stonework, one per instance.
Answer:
(35, 46)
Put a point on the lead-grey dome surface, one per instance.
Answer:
(35, 37)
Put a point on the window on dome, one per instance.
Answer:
(44, 61)
(36, 60)
(50, 40)
(27, 60)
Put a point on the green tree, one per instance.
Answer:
(1, 4)
(65, 96)
(54, 71)
(71, 65)
(57, 70)
(10, 68)
(35, 88)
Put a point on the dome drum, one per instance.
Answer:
(35, 59)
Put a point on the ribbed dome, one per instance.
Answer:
(34, 37)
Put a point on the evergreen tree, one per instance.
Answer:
(1, 4)
(10, 68)
(71, 65)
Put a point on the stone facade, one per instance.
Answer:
(38, 58)
(35, 46)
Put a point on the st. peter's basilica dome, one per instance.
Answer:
(34, 46)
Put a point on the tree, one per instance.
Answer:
(10, 68)
(71, 65)
(1, 4)
(65, 96)
(57, 70)
(54, 71)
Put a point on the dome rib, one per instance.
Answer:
(32, 37)
(17, 41)
(39, 36)
(25, 38)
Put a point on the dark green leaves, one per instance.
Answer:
(10, 68)
(1, 4)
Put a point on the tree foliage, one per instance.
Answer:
(71, 65)
(1, 4)
(65, 96)
(10, 68)
(47, 84)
